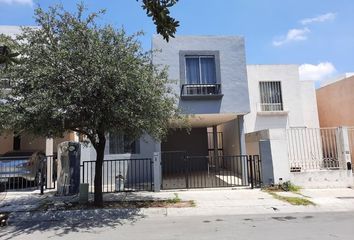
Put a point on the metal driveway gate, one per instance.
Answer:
(180, 171)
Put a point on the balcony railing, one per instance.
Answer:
(271, 107)
(190, 90)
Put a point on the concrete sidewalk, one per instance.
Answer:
(208, 202)
(247, 201)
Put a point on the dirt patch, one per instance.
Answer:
(119, 204)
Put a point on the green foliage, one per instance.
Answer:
(158, 10)
(176, 199)
(78, 76)
(292, 200)
(289, 187)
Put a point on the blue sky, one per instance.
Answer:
(316, 34)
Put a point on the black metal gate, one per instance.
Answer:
(180, 171)
(255, 171)
(120, 175)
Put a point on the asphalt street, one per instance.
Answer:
(271, 226)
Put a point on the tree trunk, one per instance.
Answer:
(98, 196)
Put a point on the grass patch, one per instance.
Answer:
(298, 201)
(284, 187)
(174, 200)
(289, 187)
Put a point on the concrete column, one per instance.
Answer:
(242, 139)
(344, 148)
(266, 162)
(49, 144)
(215, 142)
(157, 171)
(274, 157)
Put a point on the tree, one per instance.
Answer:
(78, 76)
(159, 11)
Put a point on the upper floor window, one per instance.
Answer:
(200, 70)
(271, 96)
(120, 143)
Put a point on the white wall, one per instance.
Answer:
(273, 152)
(299, 99)
(231, 140)
(309, 104)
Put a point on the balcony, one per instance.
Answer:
(201, 91)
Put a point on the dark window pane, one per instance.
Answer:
(192, 70)
(119, 143)
(208, 70)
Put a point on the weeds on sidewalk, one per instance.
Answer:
(176, 199)
(288, 187)
(292, 200)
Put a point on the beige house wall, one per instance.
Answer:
(335, 103)
(6, 142)
(31, 143)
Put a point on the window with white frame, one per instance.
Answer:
(120, 143)
(271, 96)
(200, 70)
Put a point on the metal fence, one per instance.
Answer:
(211, 148)
(27, 172)
(313, 149)
(255, 171)
(121, 175)
(180, 171)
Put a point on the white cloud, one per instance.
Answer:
(293, 35)
(321, 18)
(316, 72)
(22, 2)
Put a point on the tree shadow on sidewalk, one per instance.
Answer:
(62, 222)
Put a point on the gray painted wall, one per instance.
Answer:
(232, 72)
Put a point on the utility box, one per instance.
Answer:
(84, 193)
(68, 168)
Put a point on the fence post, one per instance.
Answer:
(157, 171)
(251, 170)
(344, 149)
(49, 142)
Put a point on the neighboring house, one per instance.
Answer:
(278, 99)
(335, 101)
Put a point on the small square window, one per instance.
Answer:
(271, 96)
